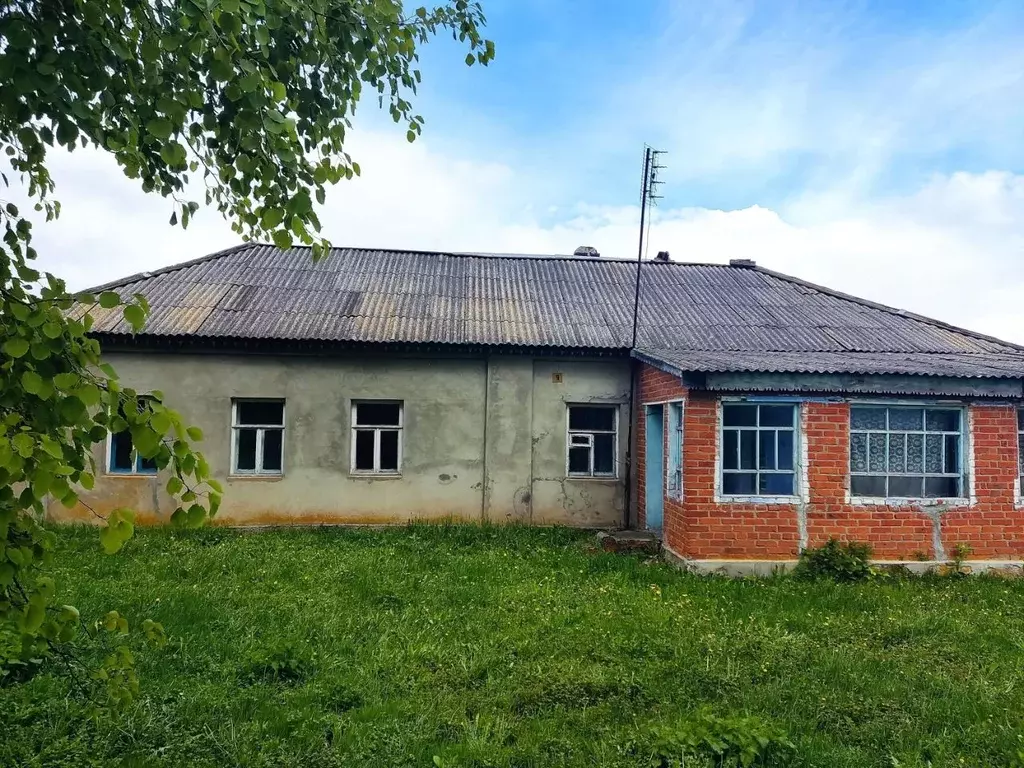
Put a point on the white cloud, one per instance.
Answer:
(952, 249)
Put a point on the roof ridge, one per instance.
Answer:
(120, 282)
(123, 281)
(886, 308)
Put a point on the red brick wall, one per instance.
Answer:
(699, 527)
(655, 386)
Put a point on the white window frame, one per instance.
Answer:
(799, 457)
(261, 431)
(584, 438)
(963, 457)
(674, 474)
(377, 429)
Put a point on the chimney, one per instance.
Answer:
(662, 256)
(742, 263)
(587, 250)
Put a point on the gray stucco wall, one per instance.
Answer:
(484, 438)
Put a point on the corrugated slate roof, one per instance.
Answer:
(702, 317)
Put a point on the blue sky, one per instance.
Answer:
(756, 103)
(876, 147)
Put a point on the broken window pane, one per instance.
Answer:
(364, 450)
(389, 450)
(269, 412)
(378, 414)
(273, 446)
(245, 446)
(594, 418)
(604, 454)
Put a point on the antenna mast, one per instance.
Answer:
(649, 185)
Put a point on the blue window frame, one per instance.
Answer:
(122, 459)
(674, 458)
(759, 449)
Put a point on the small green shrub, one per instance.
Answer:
(957, 566)
(836, 560)
(284, 664)
(722, 742)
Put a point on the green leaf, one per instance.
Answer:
(15, 347)
(194, 433)
(283, 239)
(161, 128)
(271, 218)
(72, 410)
(135, 317)
(33, 618)
(65, 381)
(111, 539)
(109, 299)
(32, 382)
(174, 485)
(52, 330)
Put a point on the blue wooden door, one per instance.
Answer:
(654, 480)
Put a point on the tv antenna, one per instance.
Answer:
(649, 185)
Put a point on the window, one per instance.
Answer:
(758, 449)
(122, 458)
(592, 440)
(377, 437)
(257, 437)
(906, 452)
(1020, 449)
(674, 468)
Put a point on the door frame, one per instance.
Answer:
(654, 466)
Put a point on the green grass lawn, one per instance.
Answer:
(515, 647)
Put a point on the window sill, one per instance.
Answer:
(720, 499)
(876, 501)
(132, 475)
(375, 475)
(256, 478)
(592, 478)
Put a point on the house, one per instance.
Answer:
(762, 413)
